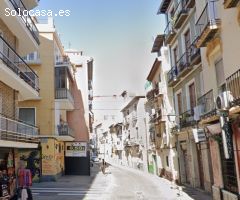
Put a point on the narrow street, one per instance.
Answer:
(117, 183)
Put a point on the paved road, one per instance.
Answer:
(117, 184)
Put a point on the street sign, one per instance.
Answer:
(76, 149)
(199, 135)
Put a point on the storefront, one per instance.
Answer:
(11, 155)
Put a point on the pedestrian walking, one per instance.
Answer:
(103, 166)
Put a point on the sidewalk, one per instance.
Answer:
(184, 192)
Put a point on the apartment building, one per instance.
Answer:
(185, 79)
(18, 81)
(134, 130)
(116, 132)
(217, 30)
(57, 96)
(202, 36)
(84, 79)
(163, 159)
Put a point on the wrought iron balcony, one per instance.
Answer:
(63, 93)
(169, 32)
(187, 119)
(17, 65)
(194, 54)
(183, 65)
(230, 3)
(172, 76)
(64, 130)
(27, 19)
(233, 85)
(15, 130)
(207, 104)
(208, 23)
(181, 14)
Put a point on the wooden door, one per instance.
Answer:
(192, 95)
(179, 101)
(187, 41)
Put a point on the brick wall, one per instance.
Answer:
(9, 100)
(8, 35)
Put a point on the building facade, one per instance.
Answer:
(18, 82)
(163, 159)
(134, 130)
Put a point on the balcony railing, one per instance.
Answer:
(64, 60)
(187, 119)
(17, 65)
(172, 76)
(63, 93)
(64, 130)
(233, 85)
(169, 32)
(208, 23)
(27, 19)
(207, 104)
(12, 129)
(181, 13)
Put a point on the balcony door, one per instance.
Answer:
(192, 95)
(175, 55)
(179, 102)
(187, 41)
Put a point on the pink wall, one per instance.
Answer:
(216, 163)
(75, 118)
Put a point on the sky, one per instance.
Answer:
(118, 34)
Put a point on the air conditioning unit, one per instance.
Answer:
(223, 99)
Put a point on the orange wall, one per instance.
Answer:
(76, 119)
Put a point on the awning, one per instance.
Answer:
(20, 145)
(214, 128)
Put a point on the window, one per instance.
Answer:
(192, 95)
(31, 56)
(27, 115)
(175, 55)
(60, 78)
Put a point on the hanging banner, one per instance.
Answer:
(76, 149)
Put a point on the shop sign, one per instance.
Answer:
(76, 149)
(199, 135)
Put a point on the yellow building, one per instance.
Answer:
(56, 80)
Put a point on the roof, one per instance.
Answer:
(158, 43)
(154, 69)
(132, 101)
(164, 6)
